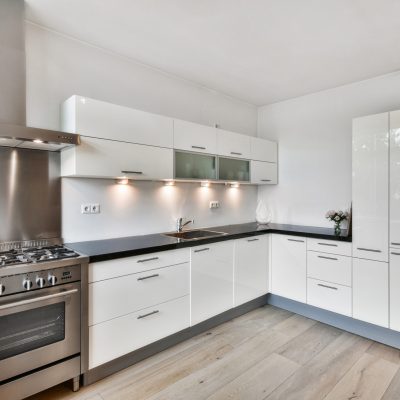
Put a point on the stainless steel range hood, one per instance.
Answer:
(13, 129)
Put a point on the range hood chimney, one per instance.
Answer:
(13, 129)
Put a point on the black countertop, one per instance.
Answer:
(108, 249)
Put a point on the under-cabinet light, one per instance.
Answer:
(122, 181)
(205, 184)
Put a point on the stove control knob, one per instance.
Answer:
(40, 282)
(27, 284)
(52, 279)
(2, 289)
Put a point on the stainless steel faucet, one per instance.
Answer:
(180, 224)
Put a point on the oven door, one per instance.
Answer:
(38, 328)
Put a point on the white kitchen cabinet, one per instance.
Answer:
(371, 291)
(394, 179)
(264, 150)
(119, 336)
(232, 144)
(264, 173)
(100, 119)
(329, 296)
(115, 297)
(100, 158)
(289, 267)
(251, 268)
(370, 187)
(394, 289)
(194, 137)
(211, 280)
(329, 246)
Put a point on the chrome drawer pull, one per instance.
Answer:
(205, 249)
(395, 254)
(328, 287)
(147, 259)
(373, 250)
(133, 172)
(328, 258)
(198, 147)
(235, 153)
(252, 240)
(147, 277)
(148, 315)
(328, 244)
(395, 243)
(296, 240)
(265, 180)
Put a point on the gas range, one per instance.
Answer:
(35, 255)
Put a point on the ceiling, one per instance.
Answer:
(259, 51)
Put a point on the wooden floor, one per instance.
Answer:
(267, 354)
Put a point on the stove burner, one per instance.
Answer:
(35, 255)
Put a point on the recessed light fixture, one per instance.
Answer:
(169, 183)
(38, 141)
(205, 184)
(234, 185)
(122, 181)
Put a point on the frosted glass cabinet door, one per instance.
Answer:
(195, 166)
(371, 187)
(395, 179)
(231, 169)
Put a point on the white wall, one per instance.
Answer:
(58, 66)
(148, 207)
(314, 135)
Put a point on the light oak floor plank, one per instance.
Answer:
(368, 379)
(268, 353)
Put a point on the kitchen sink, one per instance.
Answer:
(194, 234)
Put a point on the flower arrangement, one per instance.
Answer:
(337, 217)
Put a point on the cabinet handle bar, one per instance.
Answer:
(147, 259)
(148, 315)
(328, 287)
(235, 153)
(328, 258)
(296, 240)
(395, 243)
(395, 254)
(265, 180)
(205, 249)
(252, 240)
(373, 250)
(147, 277)
(198, 147)
(328, 244)
(133, 172)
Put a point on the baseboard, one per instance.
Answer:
(127, 360)
(361, 328)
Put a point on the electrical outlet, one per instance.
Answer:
(95, 208)
(86, 208)
(214, 204)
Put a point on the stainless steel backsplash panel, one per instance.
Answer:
(30, 194)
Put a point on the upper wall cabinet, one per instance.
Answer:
(194, 137)
(233, 144)
(395, 179)
(100, 158)
(95, 118)
(264, 173)
(371, 187)
(263, 150)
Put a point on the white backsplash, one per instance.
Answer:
(148, 207)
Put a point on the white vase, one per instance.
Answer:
(263, 213)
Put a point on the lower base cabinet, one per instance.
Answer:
(371, 291)
(211, 280)
(395, 289)
(119, 336)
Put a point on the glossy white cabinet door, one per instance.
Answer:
(264, 150)
(194, 137)
(102, 158)
(251, 268)
(263, 173)
(289, 267)
(100, 119)
(370, 187)
(395, 179)
(371, 291)
(233, 144)
(394, 289)
(211, 280)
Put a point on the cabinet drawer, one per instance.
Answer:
(329, 246)
(329, 296)
(126, 294)
(194, 137)
(131, 265)
(329, 268)
(119, 336)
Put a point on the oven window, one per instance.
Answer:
(28, 330)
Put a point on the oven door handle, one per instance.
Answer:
(38, 299)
